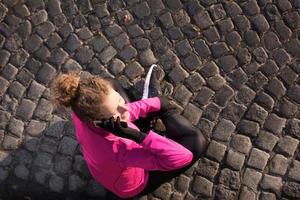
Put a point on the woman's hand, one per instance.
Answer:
(121, 129)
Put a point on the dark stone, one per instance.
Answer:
(98, 43)
(211, 112)
(288, 75)
(142, 10)
(274, 123)
(251, 8)
(193, 7)
(287, 108)
(45, 29)
(202, 48)
(242, 23)
(281, 56)
(271, 41)
(166, 20)
(245, 95)
(46, 74)
(53, 41)
(194, 81)
(260, 55)
(135, 30)
(4, 57)
(248, 128)
(191, 31)
(128, 53)
(227, 63)
(211, 34)
(116, 66)
(39, 17)
(33, 43)
(84, 55)
(257, 113)
(16, 89)
(43, 110)
(252, 39)
(72, 43)
(9, 71)
(276, 88)
(233, 112)
(282, 30)
(42, 53)
(121, 41)
(24, 77)
(232, 9)
(216, 82)
(265, 100)
(230, 178)
(225, 26)
(71, 65)
(204, 95)
(24, 29)
(182, 95)
(243, 56)
(257, 81)
(65, 30)
(202, 19)
(291, 189)
(269, 68)
(192, 62)
(175, 33)
(107, 54)
(133, 70)
(156, 6)
(294, 93)
(58, 57)
(209, 69)
(223, 95)
(292, 19)
(217, 12)
(260, 23)
(141, 43)
(219, 49)
(293, 47)
(237, 78)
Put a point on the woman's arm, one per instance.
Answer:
(154, 153)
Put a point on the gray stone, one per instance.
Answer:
(267, 196)
(142, 10)
(35, 128)
(192, 62)
(39, 17)
(72, 43)
(209, 69)
(292, 189)
(248, 128)
(46, 74)
(223, 95)
(265, 100)
(134, 30)
(26, 109)
(294, 171)
(177, 74)
(294, 93)
(271, 41)
(75, 182)
(279, 165)
(182, 183)
(33, 43)
(195, 81)
(293, 128)
(5, 158)
(182, 95)
(106, 55)
(80, 166)
(48, 145)
(266, 140)
(192, 113)
(166, 20)
(16, 127)
(43, 160)
(56, 183)
(223, 130)
(225, 26)
(233, 39)
(212, 111)
(260, 23)
(45, 29)
(67, 146)
(235, 160)
(62, 165)
(258, 159)
(141, 43)
(204, 96)
(276, 88)
(287, 145)
(163, 192)
(288, 75)
(98, 43)
(16, 89)
(202, 186)
(71, 65)
(147, 57)
(230, 178)
(4, 119)
(183, 47)
(216, 151)
(245, 95)
(21, 172)
(54, 8)
(274, 123)
(216, 82)
(203, 19)
(247, 194)
(241, 143)
(35, 91)
(133, 70)
(243, 56)
(227, 63)
(3, 174)
(233, 112)
(40, 176)
(128, 53)
(121, 41)
(257, 113)
(207, 168)
(9, 71)
(24, 157)
(271, 183)
(116, 66)
(84, 55)
(222, 192)
(202, 48)
(219, 49)
(251, 178)
(43, 109)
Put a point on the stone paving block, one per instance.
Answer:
(43, 160)
(251, 178)
(260, 55)
(194, 81)
(4, 55)
(233, 112)
(266, 140)
(225, 26)
(16, 89)
(25, 109)
(244, 56)
(257, 113)
(293, 128)
(216, 82)
(258, 159)
(141, 43)
(235, 160)
(32, 43)
(212, 111)
(21, 172)
(147, 57)
(260, 23)
(183, 47)
(62, 164)
(67, 146)
(84, 55)
(39, 17)
(227, 63)
(269, 68)
(182, 95)
(271, 183)
(142, 10)
(252, 39)
(192, 113)
(75, 182)
(56, 183)
(241, 143)
(205, 126)
(276, 88)
(242, 23)
(166, 20)
(107, 54)
(35, 90)
(45, 29)
(133, 70)
(265, 100)
(203, 19)
(79, 165)
(9, 71)
(211, 34)
(207, 168)
(222, 192)
(288, 75)
(233, 39)
(247, 194)
(46, 74)
(72, 43)
(245, 95)
(192, 62)
(216, 151)
(209, 69)
(204, 95)
(267, 196)
(294, 93)
(230, 178)
(287, 145)
(16, 127)
(282, 30)
(35, 128)
(4, 119)
(163, 192)
(281, 57)
(202, 186)
(287, 108)
(294, 171)
(274, 123)
(4, 84)
(43, 109)
(116, 66)
(121, 41)
(223, 96)
(219, 49)
(128, 53)
(202, 48)
(48, 145)
(279, 165)
(223, 130)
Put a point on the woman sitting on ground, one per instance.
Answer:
(122, 158)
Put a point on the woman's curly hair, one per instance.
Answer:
(83, 95)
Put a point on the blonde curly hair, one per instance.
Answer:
(83, 95)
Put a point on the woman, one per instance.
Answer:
(124, 159)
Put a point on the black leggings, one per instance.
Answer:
(179, 129)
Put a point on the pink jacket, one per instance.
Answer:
(121, 165)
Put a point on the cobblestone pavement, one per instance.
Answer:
(232, 66)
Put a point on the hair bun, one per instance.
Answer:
(64, 88)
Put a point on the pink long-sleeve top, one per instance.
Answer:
(122, 165)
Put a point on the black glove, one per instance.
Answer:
(121, 129)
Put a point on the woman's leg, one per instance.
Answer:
(182, 131)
